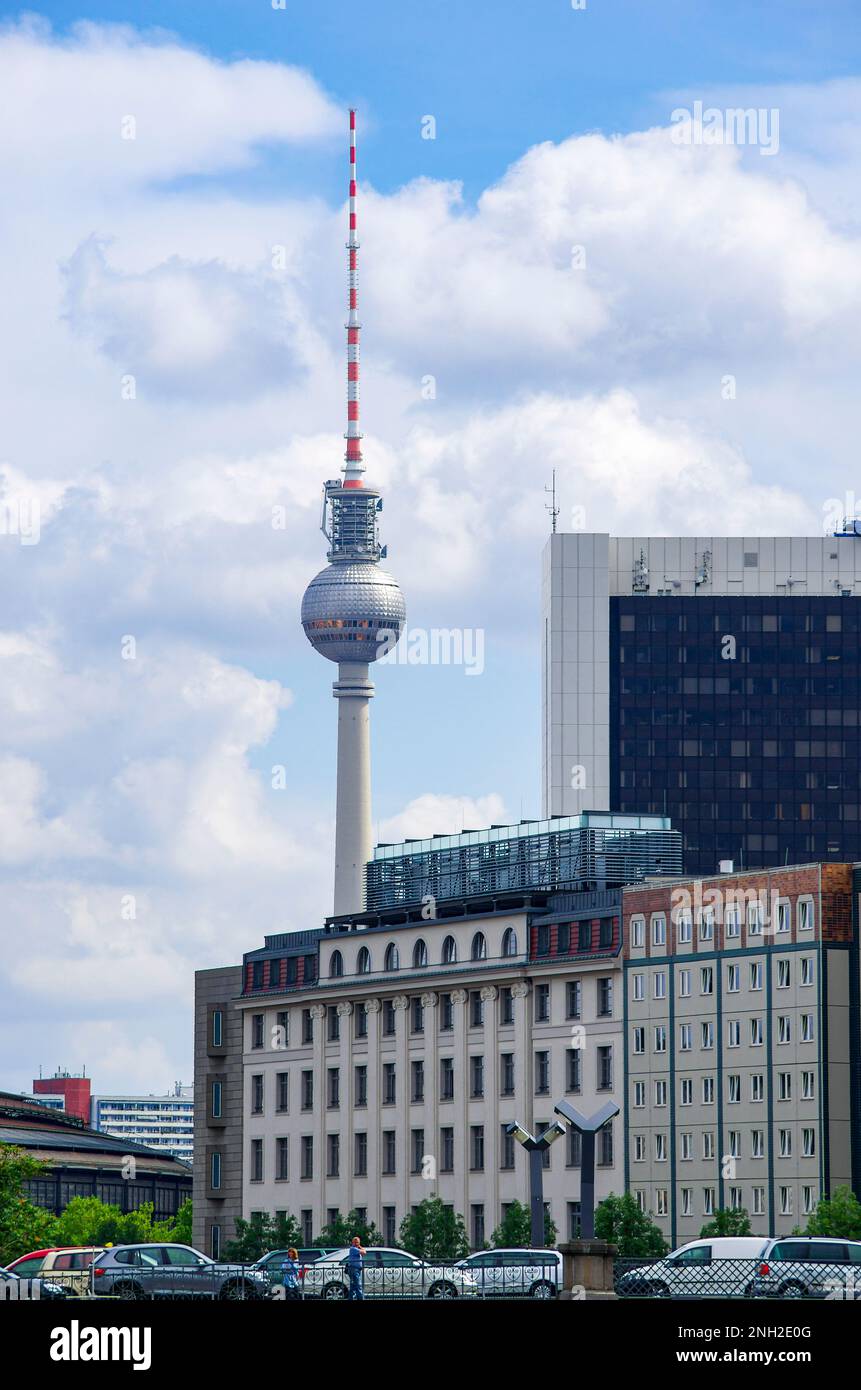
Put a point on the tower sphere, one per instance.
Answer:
(353, 611)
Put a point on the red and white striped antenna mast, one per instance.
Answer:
(353, 467)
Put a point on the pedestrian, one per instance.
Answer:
(355, 1268)
(290, 1275)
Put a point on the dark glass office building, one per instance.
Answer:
(739, 719)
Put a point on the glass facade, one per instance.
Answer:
(738, 717)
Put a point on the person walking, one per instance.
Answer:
(290, 1275)
(355, 1268)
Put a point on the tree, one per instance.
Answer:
(182, 1223)
(515, 1229)
(838, 1215)
(253, 1238)
(341, 1231)
(434, 1232)
(620, 1221)
(23, 1225)
(727, 1222)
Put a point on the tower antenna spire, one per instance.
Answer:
(353, 465)
(552, 507)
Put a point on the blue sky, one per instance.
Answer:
(152, 259)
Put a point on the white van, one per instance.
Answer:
(711, 1267)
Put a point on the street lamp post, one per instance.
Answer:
(588, 1127)
(535, 1147)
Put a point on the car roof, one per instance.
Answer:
(33, 1254)
(820, 1240)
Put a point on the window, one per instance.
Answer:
(446, 1013)
(509, 942)
(256, 1160)
(605, 1068)
(660, 984)
(707, 1036)
(336, 965)
(446, 1078)
(476, 1077)
(479, 947)
(257, 1030)
(808, 1143)
(708, 1201)
(388, 1018)
(417, 1143)
(573, 998)
(542, 1073)
(639, 1041)
(754, 919)
(783, 916)
(733, 1032)
(476, 1148)
(639, 991)
(476, 1009)
(686, 1037)
(784, 974)
(660, 1148)
(785, 1194)
(573, 1078)
(333, 1023)
(756, 1032)
(807, 1085)
(360, 1155)
(757, 1087)
(360, 1025)
(282, 1159)
(686, 1091)
(708, 1145)
(805, 914)
(639, 1095)
(506, 1070)
(659, 931)
(477, 1224)
(784, 1085)
(363, 962)
(506, 1148)
(687, 1201)
(732, 920)
(638, 931)
(542, 1003)
(449, 951)
(333, 1155)
(446, 1149)
(684, 984)
(417, 1014)
(389, 1084)
(687, 1146)
(307, 1028)
(684, 928)
(604, 1156)
(542, 941)
(733, 1089)
(389, 1225)
(639, 1148)
(506, 1006)
(707, 979)
(733, 979)
(660, 1094)
(361, 1086)
(660, 1038)
(420, 955)
(708, 1090)
(215, 1171)
(756, 975)
(605, 998)
(282, 1091)
(215, 1105)
(784, 1028)
(707, 926)
(807, 970)
(333, 1088)
(391, 961)
(807, 1028)
(217, 1028)
(307, 1090)
(388, 1152)
(417, 1070)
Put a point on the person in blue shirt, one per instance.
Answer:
(355, 1268)
(290, 1275)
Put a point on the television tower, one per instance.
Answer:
(352, 612)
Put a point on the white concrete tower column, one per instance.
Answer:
(353, 833)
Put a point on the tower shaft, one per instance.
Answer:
(353, 835)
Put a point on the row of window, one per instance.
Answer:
(280, 1031)
(421, 1163)
(735, 1199)
(783, 1089)
(757, 1146)
(420, 956)
(733, 913)
(389, 1096)
(806, 976)
(756, 1034)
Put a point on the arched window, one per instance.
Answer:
(363, 962)
(509, 942)
(479, 946)
(392, 961)
(449, 951)
(420, 953)
(336, 964)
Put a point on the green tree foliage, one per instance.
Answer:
(23, 1225)
(838, 1215)
(434, 1232)
(728, 1223)
(341, 1231)
(620, 1221)
(253, 1238)
(182, 1223)
(515, 1229)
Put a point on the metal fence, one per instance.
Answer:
(738, 1278)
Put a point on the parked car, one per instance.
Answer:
(809, 1267)
(515, 1273)
(389, 1274)
(712, 1267)
(164, 1271)
(272, 1261)
(30, 1288)
(68, 1265)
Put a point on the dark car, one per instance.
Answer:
(173, 1271)
(15, 1289)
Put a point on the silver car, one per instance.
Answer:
(389, 1273)
(516, 1273)
(809, 1267)
(173, 1271)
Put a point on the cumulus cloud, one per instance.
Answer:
(142, 833)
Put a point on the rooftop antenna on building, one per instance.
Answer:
(552, 507)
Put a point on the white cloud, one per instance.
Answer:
(433, 812)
